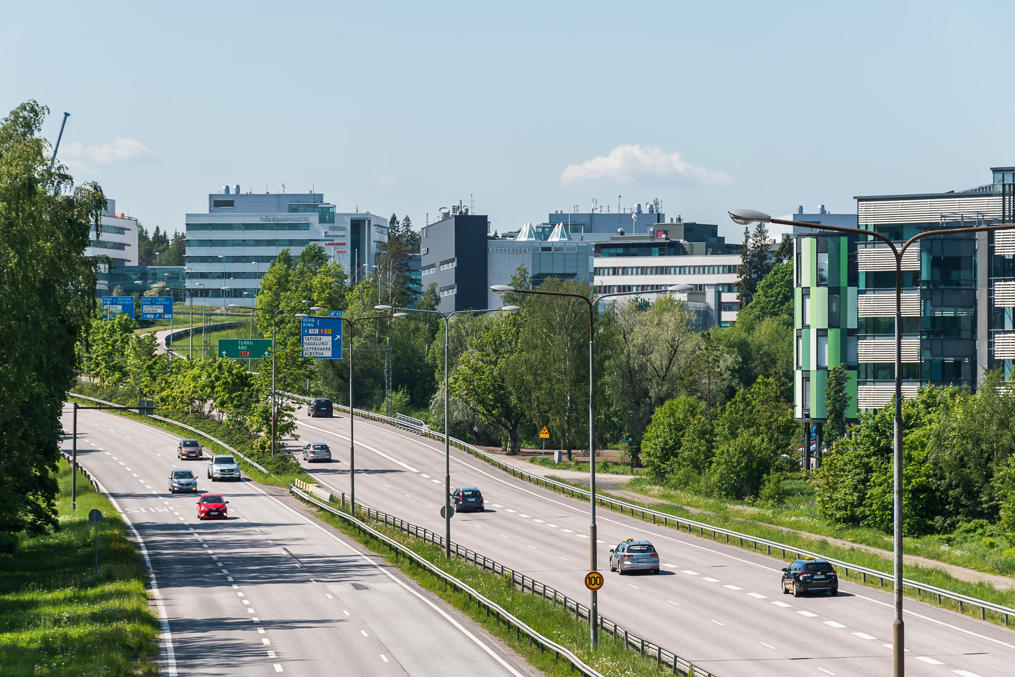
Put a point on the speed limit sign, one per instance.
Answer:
(593, 580)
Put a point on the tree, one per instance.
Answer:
(676, 447)
(755, 262)
(836, 402)
(485, 375)
(47, 289)
(396, 284)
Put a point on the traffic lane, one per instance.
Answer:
(270, 578)
(208, 637)
(856, 622)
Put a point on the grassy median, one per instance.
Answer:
(58, 616)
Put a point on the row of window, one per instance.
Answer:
(226, 275)
(248, 243)
(429, 270)
(230, 259)
(450, 291)
(449, 264)
(247, 226)
(714, 269)
(117, 230)
(106, 244)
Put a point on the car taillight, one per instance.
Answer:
(655, 554)
(626, 556)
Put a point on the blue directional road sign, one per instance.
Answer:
(334, 313)
(322, 337)
(156, 307)
(118, 305)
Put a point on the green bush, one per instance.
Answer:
(988, 542)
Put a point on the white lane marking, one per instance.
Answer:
(122, 463)
(767, 645)
(235, 587)
(264, 640)
(225, 571)
(521, 514)
(887, 645)
(929, 660)
(717, 622)
(670, 601)
(271, 654)
(808, 614)
(827, 672)
(229, 578)
(346, 612)
(328, 595)
(756, 595)
(632, 585)
(735, 588)
(691, 573)
(312, 580)
(863, 635)
(567, 531)
(539, 521)
(497, 505)
(250, 611)
(260, 630)
(436, 481)
(365, 446)
(531, 547)
(562, 557)
(783, 605)
(364, 633)
(424, 475)
(240, 594)
(278, 667)
(709, 579)
(600, 541)
(833, 624)
(246, 602)
(552, 526)
(256, 619)
(965, 673)
(384, 658)
(511, 510)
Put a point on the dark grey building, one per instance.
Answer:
(453, 257)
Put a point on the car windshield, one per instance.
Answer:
(182, 475)
(818, 566)
(212, 499)
(470, 493)
(189, 443)
(224, 459)
(321, 446)
(640, 547)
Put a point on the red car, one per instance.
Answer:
(211, 505)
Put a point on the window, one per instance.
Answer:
(223, 203)
(823, 268)
(805, 310)
(822, 351)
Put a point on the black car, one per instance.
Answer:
(467, 499)
(809, 575)
(319, 406)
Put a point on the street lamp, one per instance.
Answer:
(447, 440)
(274, 316)
(507, 289)
(192, 290)
(747, 216)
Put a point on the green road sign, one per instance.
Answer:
(244, 349)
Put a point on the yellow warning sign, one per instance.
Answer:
(545, 433)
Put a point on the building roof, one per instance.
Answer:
(527, 232)
(559, 234)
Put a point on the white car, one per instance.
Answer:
(316, 451)
(223, 467)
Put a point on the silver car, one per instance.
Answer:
(316, 451)
(223, 467)
(182, 480)
(632, 555)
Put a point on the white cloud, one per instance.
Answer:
(118, 150)
(627, 162)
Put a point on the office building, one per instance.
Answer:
(131, 280)
(602, 224)
(230, 248)
(653, 262)
(116, 239)
(453, 258)
(824, 319)
(558, 256)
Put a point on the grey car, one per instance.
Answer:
(223, 467)
(632, 555)
(182, 480)
(316, 451)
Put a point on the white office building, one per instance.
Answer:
(115, 239)
(230, 248)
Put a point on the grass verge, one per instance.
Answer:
(552, 621)
(601, 466)
(58, 616)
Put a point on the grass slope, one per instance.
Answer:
(58, 616)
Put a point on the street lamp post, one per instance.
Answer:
(192, 290)
(447, 440)
(593, 555)
(747, 216)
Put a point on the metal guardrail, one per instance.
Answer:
(1004, 613)
(188, 427)
(490, 606)
(410, 423)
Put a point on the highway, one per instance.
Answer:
(271, 590)
(716, 605)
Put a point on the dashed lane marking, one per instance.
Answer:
(364, 633)
(783, 605)
(384, 658)
(735, 588)
(863, 635)
(756, 595)
(717, 622)
(834, 624)
(278, 667)
(929, 660)
(808, 614)
(264, 640)
(709, 579)
(827, 672)
(767, 645)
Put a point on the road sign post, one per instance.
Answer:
(95, 516)
(244, 349)
(321, 337)
(544, 435)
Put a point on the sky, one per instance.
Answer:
(517, 108)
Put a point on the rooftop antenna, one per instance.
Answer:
(472, 204)
(283, 189)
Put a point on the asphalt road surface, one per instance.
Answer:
(717, 605)
(271, 590)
